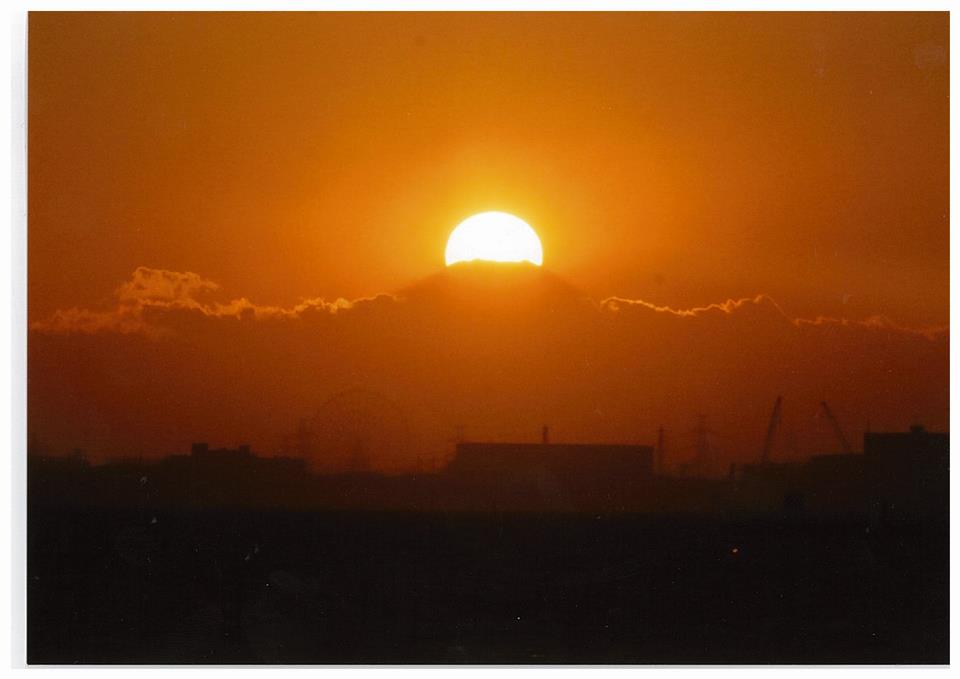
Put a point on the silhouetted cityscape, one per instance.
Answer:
(221, 555)
(899, 473)
(483, 337)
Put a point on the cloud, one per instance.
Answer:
(880, 323)
(617, 304)
(151, 296)
(500, 351)
(159, 285)
(760, 305)
(151, 301)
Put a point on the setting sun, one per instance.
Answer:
(494, 237)
(296, 385)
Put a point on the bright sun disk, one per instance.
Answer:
(494, 237)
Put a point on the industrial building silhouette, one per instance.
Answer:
(515, 552)
(900, 474)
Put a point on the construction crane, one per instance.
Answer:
(771, 430)
(836, 428)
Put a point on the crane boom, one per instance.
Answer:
(836, 428)
(771, 430)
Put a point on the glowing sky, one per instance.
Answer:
(683, 158)
(730, 206)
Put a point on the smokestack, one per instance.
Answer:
(546, 434)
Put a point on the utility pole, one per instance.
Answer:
(660, 452)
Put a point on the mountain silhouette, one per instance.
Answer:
(492, 288)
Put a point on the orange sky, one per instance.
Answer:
(679, 158)
(732, 207)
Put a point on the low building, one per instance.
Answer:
(909, 472)
(899, 476)
(202, 451)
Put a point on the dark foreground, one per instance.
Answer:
(108, 586)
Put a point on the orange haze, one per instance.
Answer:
(796, 164)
